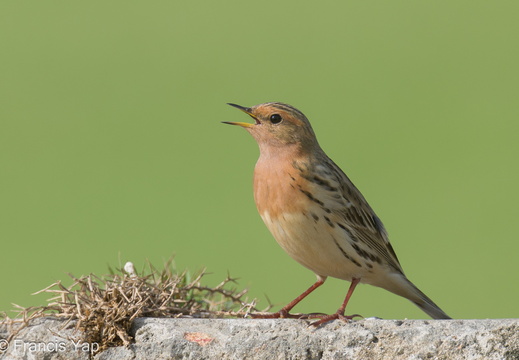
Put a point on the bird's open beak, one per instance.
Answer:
(247, 111)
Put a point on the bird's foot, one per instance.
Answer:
(327, 318)
(281, 314)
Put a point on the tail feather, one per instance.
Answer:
(398, 284)
(428, 306)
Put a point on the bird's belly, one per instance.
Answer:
(316, 245)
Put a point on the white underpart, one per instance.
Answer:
(312, 244)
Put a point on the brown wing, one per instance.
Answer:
(351, 211)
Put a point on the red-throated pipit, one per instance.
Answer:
(316, 213)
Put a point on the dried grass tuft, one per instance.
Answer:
(105, 307)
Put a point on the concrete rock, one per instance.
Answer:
(279, 339)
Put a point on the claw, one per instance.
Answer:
(336, 316)
(279, 315)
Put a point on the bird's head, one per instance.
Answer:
(277, 124)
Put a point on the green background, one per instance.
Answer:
(111, 146)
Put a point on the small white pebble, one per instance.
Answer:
(130, 269)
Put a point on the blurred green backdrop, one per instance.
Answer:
(111, 147)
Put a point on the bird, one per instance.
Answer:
(317, 215)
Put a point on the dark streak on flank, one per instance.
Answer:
(366, 255)
(316, 218)
(345, 254)
(311, 197)
(319, 181)
(329, 221)
(348, 232)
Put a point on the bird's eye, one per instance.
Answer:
(275, 119)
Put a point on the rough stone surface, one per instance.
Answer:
(279, 339)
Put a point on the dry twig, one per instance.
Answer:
(105, 307)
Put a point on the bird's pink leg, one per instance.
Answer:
(340, 313)
(284, 312)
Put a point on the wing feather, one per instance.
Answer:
(351, 211)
